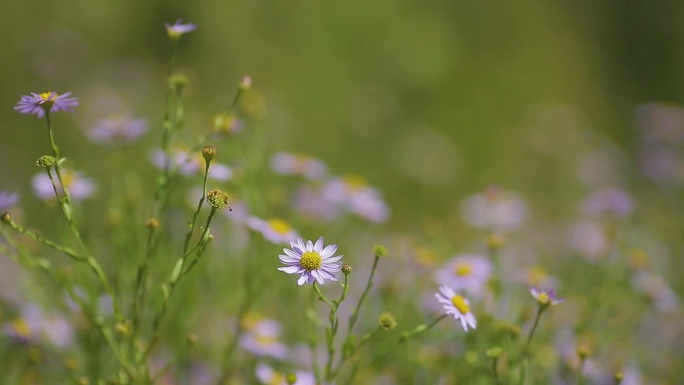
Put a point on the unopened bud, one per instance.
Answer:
(346, 269)
(177, 82)
(379, 251)
(494, 352)
(291, 378)
(152, 223)
(618, 376)
(246, 82)
(6, 218)
(46, 161)
(387, 321)
(495, 241)
(192, 338)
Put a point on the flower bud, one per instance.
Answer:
(208, 153)
(46, 161)
(152, 223)
(6, 218)
(379, 251)
(494, 352)
(387, 321)
(246, 82)
(495, 241)
(346, 269)
(291, 378)
(192, 338)
(618, 376)
(217, 198)
(177, 82)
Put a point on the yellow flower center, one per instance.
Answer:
(537, 275)
(311, 260)
(543, 298)
(460, 304)
(68, 178)
(21, 328)
(276, 379)
(354, 182)
(46, 96)
(463, 269)
(279, 226)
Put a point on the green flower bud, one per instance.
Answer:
(152, 223)
(346, 269)
(387, 321)
(46, 161)
(217, 198)
(178, 81)
(6, 218)
(379, 251)
(291, 378)
(494, 352)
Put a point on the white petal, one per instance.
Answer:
(302, 279)
(309, 246)
(291, 253)
(333, 259)
(290, 269)
(318, 247)
(328, 251)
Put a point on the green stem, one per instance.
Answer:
(369, 284)
(525, 351)
(495, 372)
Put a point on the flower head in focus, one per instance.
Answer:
(457, 306)
(39, 104)
(314, 262)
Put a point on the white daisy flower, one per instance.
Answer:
(457, 306)
(314, 262)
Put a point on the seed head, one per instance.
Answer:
(217, 198)
(387, 321)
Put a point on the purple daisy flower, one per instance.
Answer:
(38, 104)
(178, 28)
(545, 298)
(314, 262)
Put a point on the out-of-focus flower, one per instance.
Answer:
(655, 287)
(311, 202)
(191, 164)
(275, 230)
(298, 164)
(227, 124)
(313, 262)
(262, 338)
(38, 104)
(8, 199)
(34, 325)
(267, 375)
(79, 186)
(177, 29)
(661, 164)
(457, 306)
(589, 239)
(545, 298)
(353, 193)
(661, 122)
(535, 276)
(495, 209)
(465, 272)
(609, 201)
(120, 126)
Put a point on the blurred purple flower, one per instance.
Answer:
(465, 272)
(298, 164)
(495, 209)
(117, 126)
(262, 338)
(353, 193)
(37, 104)
(610, 201)
(661, 122)
(79, 186)
(274, 230)
(8, 199)
(589, 239)
(177, 29)
(191, 164)
(311, 202)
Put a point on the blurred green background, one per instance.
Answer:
(356, 83)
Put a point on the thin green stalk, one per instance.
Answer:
(173, 282)
(331, 332)
(369, 284)
(495, 372)
(66, 209)
(37, 237)
(199, 208)
(525, 350)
